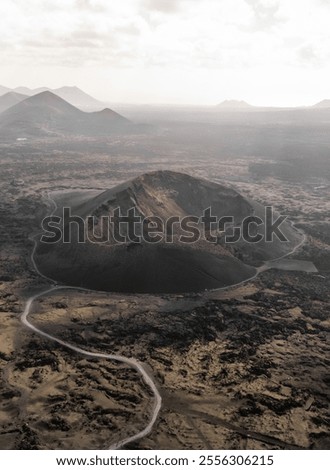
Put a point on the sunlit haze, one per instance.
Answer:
(267, 52)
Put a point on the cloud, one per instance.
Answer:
(309, 55)
(265, 13)
(162, 6)
(250, 41)
(90, 5)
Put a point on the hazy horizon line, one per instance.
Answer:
(246, 104)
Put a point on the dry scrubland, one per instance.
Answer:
(256, 356)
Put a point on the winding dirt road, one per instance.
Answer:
(131, 362)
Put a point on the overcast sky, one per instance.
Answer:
(267, 52)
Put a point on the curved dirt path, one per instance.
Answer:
(131, 362)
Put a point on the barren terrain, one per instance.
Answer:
(246, 367)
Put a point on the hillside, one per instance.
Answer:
(322, 104)
(10, 99)
(46, 114)
(102, 263)
(234, 104)
(71, 94)
(78, 98)
(4, 90)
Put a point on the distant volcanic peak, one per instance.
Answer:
(14, 94)
(109, 113)
(68, 88)
(48, 114)
(322, 104)
(10, 99)
(78, 97)
(234, 104)
(29, 91)
(3, 90)
(71, 94)
(48, 98)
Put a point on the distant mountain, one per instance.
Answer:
(4, 90)
(46, 114)
(10, 99)
(78, 98)
(234, 104)
(29, 91)
(322, 104)
(71, 94)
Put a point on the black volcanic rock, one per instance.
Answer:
(153, 267)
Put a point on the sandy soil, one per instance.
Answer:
(242, 368)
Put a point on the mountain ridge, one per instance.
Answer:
(72, 94)
(322, 104)
(10, 99)
(46, 114)
(234, 104)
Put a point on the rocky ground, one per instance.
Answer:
(247, 367)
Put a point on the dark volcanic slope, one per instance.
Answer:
(145, 267)
(50, 115)
(168, 193)
(10, 99)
